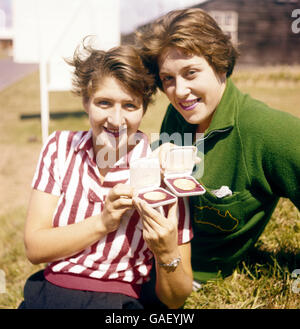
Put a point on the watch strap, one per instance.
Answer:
(172, 265)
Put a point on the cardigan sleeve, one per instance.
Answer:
(272, 149)
(282, 156)
(46, 177)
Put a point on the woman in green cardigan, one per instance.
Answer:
(251, 153)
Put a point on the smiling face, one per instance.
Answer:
(191, 85)
(115, 115)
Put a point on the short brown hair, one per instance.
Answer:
(192, 30)
(122, 63)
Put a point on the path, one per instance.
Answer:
(11, 72)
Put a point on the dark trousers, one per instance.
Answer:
(41, 294)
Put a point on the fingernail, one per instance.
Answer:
(137, 200)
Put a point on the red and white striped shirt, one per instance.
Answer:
(119, 262)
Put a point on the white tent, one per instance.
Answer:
(47, 31)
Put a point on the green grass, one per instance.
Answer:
(263, 280)
(278, 75)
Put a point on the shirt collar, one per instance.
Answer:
(139, 151)
(85, 143)
(224, 116)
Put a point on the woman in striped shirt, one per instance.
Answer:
(98, 241)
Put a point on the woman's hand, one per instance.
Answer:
(159, 232)
(45, 243)
(117, 202)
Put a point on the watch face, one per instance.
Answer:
(171, 266)
(176, 262)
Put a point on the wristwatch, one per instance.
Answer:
(172, 265)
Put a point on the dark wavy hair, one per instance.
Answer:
(193, 31)
(122, 63)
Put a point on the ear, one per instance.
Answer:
(222, 77)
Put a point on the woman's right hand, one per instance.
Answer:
(117, 202)
(159, 232)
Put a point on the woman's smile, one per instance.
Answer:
(189, 105)
(116, 132)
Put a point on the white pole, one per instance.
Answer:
(43, 74)
(44, 99)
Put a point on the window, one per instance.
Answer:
(228, 22)
(286, 1)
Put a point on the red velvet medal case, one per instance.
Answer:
(180, 162)
(145, 179)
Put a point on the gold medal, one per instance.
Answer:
(184, 184)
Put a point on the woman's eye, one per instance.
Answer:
(166, 79)
(130, 106)
(103, 103)
(190, 73)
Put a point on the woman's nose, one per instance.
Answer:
(182, 89)
(115, 117)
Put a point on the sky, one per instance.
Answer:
(132, 12)
(6, 6)
(138, 12)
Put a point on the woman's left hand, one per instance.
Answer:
(159, 232)
(161, 235)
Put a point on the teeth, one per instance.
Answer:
(189, 103)
(116, 130)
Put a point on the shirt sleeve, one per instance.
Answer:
(46, 177)
(185, 232)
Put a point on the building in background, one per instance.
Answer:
(262, 29)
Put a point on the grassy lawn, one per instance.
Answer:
(263, 280)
